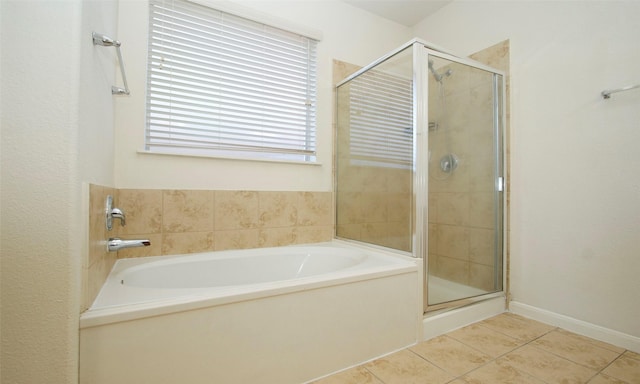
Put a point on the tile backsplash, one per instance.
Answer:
(189, 221)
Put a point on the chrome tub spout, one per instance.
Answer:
(116, 244)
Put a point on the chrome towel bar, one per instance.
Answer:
(106, 41)
(606, 94)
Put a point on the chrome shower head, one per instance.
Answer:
(437, 75)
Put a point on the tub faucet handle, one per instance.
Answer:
(112, 212)
(116, 213)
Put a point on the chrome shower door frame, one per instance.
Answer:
(422, 52)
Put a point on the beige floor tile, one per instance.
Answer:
(357, 375)
(485, 340)
(451, 355)
(632, 355)
(576, 348)
(595, 342)
(604, 379)
(624, 368)
(405, 367)
(504, 373)
(546, 366)
(518, 327)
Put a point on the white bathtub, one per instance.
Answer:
(273, 315)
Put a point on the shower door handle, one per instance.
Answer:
(500, 184)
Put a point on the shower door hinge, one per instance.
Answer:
(500, 184)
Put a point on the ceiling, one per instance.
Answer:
(405, 12)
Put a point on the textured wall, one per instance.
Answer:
(56, 108)
(574, 214)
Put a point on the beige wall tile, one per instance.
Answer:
(453, 241)
(99, 261)
(236, 239)
(142, 209)
(315, 208)
(187, 211)
(315, 234)
(187, 242)
(275, 237)
(453, 269)
(350, 209)
(481, 212)
(236, 210)
(277, 209)
(349, 231)
(481, 276)
(453, 208)
(481, 246)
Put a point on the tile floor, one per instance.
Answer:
(503, 349)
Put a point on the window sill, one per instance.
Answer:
(233, 158)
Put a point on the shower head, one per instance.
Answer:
(436, 75)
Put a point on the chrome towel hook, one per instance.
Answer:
(106, 41)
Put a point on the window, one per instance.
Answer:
(223, 85)
(381, 120)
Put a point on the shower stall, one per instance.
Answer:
(420, 167)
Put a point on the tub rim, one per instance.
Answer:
(207, 297)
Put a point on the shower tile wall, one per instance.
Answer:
(461, 218)
(188, 221)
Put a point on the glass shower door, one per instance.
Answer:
(465, 181)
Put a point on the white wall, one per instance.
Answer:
(55, 138)
(350, 35)
(575, 191)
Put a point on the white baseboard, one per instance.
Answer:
(580, 327)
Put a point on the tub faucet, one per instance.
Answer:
(115, 244)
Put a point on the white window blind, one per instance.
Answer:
(381, 120)
(222, 85)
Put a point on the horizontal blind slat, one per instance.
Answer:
(218, 81)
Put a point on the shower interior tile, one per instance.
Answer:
(482, 277)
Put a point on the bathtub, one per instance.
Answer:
(273, 315)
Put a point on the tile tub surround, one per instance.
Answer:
(503, 349)
(190, 221)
